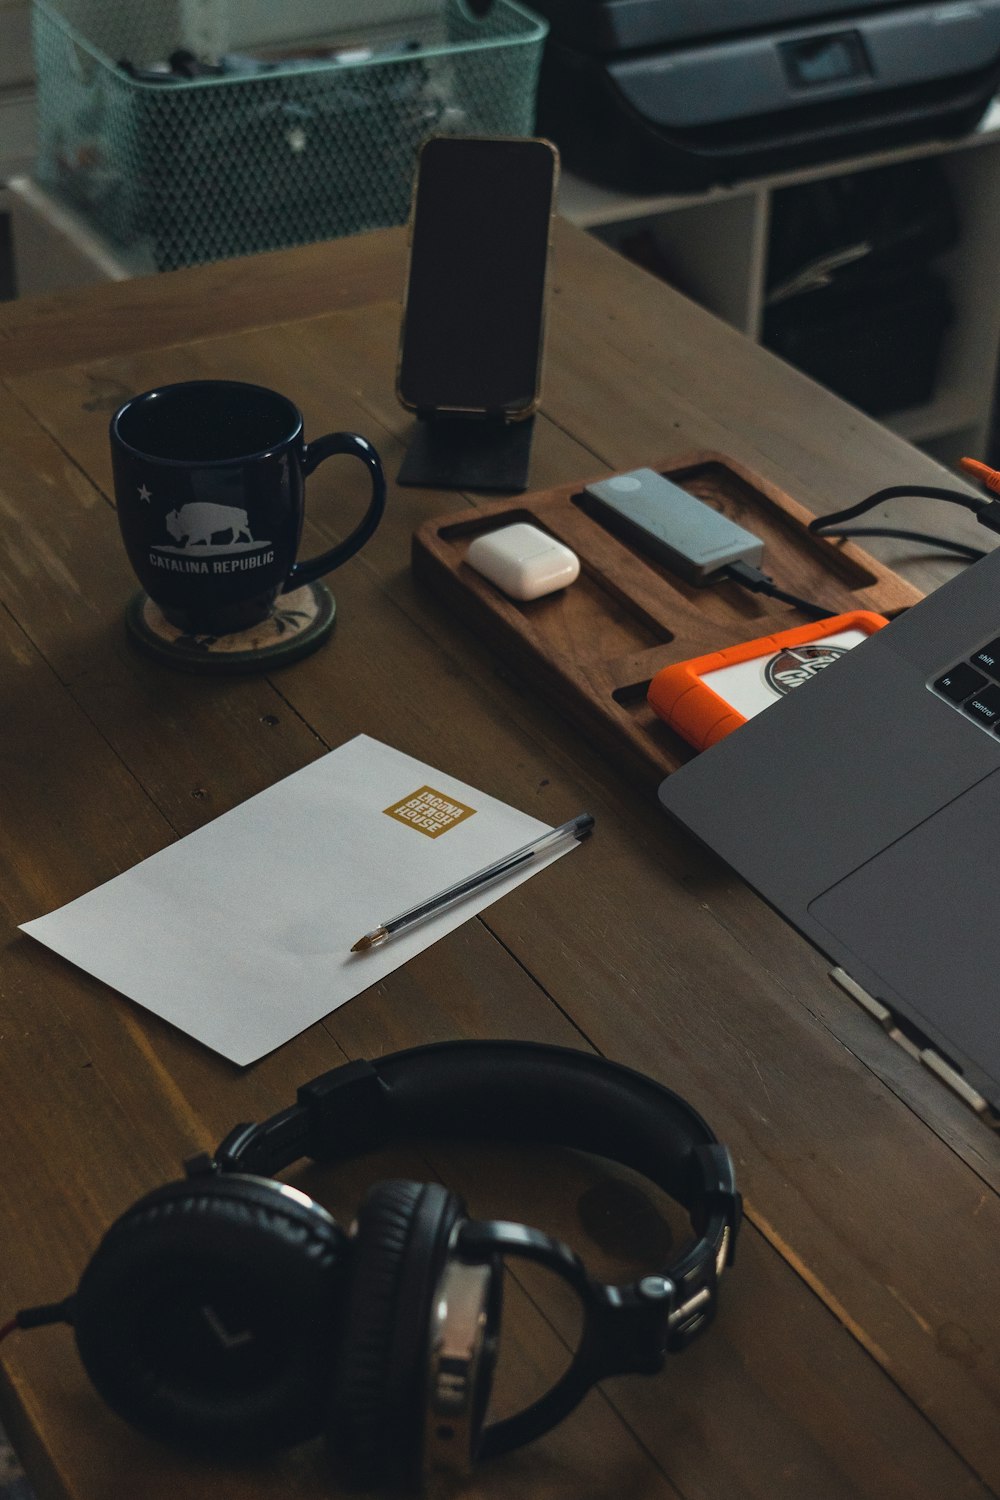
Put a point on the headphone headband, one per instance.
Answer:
(495, 1091)
(513, 1091)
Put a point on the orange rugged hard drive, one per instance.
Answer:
(708, 697)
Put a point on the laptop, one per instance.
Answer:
(865, 807)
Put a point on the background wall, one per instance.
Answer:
(17, 116)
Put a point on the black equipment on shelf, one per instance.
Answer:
(681, 94)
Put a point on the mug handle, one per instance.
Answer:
(313, 455)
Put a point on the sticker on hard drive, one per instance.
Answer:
(749, 686)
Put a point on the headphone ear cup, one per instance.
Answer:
(376, 1416)
(207, 1316)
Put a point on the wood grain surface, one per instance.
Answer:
(855, 1353)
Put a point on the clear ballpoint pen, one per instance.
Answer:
(576, 828)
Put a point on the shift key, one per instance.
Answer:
(988, 659)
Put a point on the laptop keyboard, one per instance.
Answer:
(974, 686)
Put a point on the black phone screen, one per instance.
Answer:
(472, 331)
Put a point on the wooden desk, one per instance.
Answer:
(856, 1349)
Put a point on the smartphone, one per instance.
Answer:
(474, 315)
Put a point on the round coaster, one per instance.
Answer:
(300, 622)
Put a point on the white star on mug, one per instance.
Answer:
(144, 494)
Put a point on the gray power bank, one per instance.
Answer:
(667, 523)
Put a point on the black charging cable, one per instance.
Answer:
(964, 550)
(987, 512)
(749, 577)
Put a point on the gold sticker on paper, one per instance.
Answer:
(430, 812)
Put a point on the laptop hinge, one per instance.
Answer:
(930, 1058)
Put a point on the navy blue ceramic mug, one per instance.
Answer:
(209, 480)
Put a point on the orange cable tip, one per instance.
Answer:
(986, 476)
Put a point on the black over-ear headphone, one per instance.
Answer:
(231, 1313)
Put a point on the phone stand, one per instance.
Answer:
(468, 453)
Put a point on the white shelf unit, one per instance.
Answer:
(717, 244)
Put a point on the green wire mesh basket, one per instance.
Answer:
(310, 131)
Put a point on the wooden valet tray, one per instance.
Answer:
(591, 649)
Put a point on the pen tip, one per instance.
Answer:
(369, 940)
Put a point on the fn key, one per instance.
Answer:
(960, 683)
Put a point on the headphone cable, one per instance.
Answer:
(37, 1317)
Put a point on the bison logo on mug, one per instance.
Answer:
(200, 522)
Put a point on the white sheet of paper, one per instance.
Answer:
(240, 933)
